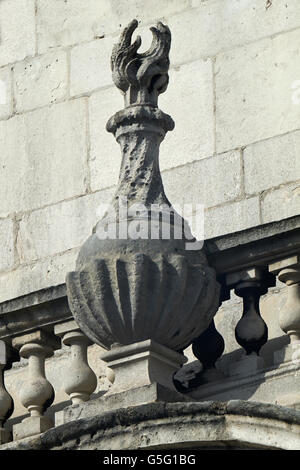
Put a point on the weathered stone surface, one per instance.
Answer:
(47, 147)
(254, 94)
(117, 279)
(56, 367)
(40, 81)
(246, 365)
(274, 385)
(71, 22)
(142, 364)
(232, 217)
(194, 182)
(5, 93)
(272, 162)
(219, 249)
(32, 277)
(6, 244)
(31, 426)
(60, 227)
(281, 203)
(235, 424)
(147, 394)
(90, 66)
(105, 158)
(17, 25)
(213, 26)
(193, 114)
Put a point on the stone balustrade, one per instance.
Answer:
(35, 333)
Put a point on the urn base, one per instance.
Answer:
(142, 363)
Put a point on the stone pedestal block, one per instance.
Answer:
(32, 426)
(141, 364)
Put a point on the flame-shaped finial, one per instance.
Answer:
(141, 77)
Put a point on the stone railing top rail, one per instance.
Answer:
(257, 246)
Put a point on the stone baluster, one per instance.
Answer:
(251, 331)
(80, 381)
(207, 348)
(288, 271)
(6, 403)
(37, 393)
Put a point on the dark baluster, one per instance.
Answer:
(208, 347)
(6, 403)
(251, 331)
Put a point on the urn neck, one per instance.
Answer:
(139, 130)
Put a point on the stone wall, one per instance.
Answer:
(233, 93)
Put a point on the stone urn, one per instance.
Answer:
(138, 290)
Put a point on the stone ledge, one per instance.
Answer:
(235, 424)
(276, 384)
(153, 393)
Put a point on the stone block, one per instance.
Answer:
(292, 262)
(90, 66)
(214, 26)
(6, 244)
(73, 22)
(60, 227)
(281, 203)
(36, 276)
(143, 363)
(43, 157)
(60, 329)
(210, 181)
(254, 91)
(247, 365)
(40, 81)
(31, 426)
(232, 217)
(37, 336)
(5, 93)
(105, 154)
(17, 26)
(189, 101)
(272, 162)
(70, 22)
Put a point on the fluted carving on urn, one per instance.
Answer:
(124, 289)
(127, 300)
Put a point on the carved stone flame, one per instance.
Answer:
(141, 77)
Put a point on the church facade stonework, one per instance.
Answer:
(162, 309)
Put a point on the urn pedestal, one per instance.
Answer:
(143, 363)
